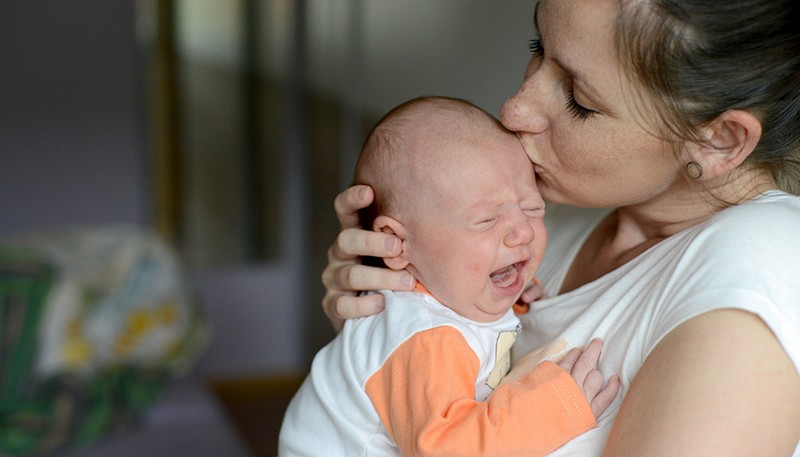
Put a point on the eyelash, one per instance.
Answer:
(535, 47)
(578, 112)
(575, 109)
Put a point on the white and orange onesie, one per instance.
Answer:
(420, 380)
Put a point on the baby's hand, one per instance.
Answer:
(533, 292)
(582, 366)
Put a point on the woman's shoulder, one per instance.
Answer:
(771, 219)
(747, 258)
(757, 238)
(771, 205)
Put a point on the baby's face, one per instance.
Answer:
(477, 233)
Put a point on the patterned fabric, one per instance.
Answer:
(93, 325)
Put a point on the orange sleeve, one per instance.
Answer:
(425, 397)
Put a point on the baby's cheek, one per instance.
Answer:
(531, 267)
(475, 268)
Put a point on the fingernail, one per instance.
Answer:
(362, 193)
(390, 244)
(407, 280)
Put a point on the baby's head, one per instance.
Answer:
(459, 191)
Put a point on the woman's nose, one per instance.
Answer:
(521, 113)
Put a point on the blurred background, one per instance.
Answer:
(227, 127)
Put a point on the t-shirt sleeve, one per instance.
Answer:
(748, 260)
(425, 397)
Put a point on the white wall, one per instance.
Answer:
(71, 150)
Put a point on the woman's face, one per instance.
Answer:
(575, 117)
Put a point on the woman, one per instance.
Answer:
(683, 116)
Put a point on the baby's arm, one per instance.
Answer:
(425, 396)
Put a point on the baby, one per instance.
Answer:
(423, 376)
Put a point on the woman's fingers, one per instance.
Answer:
(345, 275)
(339, 308)
(355, 242)
(341, 300)
(348, 279)
(349, 201)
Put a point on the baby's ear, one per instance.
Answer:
(388, 224)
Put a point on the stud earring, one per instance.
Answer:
(694, 170)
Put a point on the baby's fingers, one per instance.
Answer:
(533, 293)
(570, 359)
(592, 383)
(582, 366)
(603, 399)
(581, 363)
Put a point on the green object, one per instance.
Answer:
(125, 313)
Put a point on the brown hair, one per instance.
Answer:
(700, 59)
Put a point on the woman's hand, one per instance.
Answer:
(345, 275)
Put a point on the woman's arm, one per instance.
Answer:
(345, 276)
(719, 384)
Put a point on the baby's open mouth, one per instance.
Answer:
(507, 276)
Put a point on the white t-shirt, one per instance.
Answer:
(745, 257)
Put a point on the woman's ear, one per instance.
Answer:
(388, 224)
(732, 137)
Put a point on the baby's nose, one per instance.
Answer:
(520, 231)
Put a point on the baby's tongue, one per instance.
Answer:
(504, 277)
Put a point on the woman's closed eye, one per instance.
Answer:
(577, 110)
